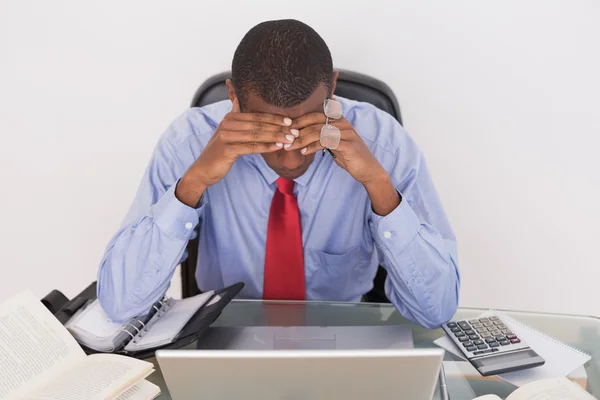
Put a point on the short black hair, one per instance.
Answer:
(282, 61)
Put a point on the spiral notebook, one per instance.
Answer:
(169, 323)
(561, 358)
(94, 329)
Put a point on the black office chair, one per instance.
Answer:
(350, 85)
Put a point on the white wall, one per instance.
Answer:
(502, 96)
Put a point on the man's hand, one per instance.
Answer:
(353, 155)
(238, 134)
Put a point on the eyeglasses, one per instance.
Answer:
(331, 135)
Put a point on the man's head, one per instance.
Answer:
(282, 67)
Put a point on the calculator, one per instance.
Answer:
(491, 347)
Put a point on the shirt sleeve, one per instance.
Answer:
(415, 242)
(141, 257)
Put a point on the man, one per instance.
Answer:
(250, 177)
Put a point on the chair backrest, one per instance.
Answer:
(351, 85)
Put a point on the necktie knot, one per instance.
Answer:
(285, 186)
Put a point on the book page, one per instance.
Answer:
(144, 390)
(33, 343)
(550, 389)
(97, 377)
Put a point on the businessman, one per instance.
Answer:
(273, 210)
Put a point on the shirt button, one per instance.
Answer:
(387, 234)
(189, 225)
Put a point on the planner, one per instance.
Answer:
(168, 323)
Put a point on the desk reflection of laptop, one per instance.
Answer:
(310, 363)
(307, 338)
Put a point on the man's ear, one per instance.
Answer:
(230, 90)
(334, 82)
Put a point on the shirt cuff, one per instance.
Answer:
(398, 227)
(175, 218)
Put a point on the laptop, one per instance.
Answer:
(310, 363)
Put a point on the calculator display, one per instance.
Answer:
(506, 358)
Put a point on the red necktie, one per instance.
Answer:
(284, 259)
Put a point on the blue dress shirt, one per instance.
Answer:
(344, 240)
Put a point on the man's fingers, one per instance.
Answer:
(253, 148)
(256, 136)
(235, 108)
(312, 134)
(307, 136)
(260, 117)
(235, 125)
(316, 146)
(311, 148)
(309, 119)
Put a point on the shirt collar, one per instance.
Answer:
(270, 176)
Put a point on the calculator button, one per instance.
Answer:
(494, 318)
(473, 321)
(473, 337)
(497, 322)
(517, 340)
(467, 344)
(471, 348)
(470, 332)
(486, 324)
(495, 333)
(511, 336)
(482, 320)
(495, 349)
(451, 324)
(457, 329)
(477, 325)
(501, 326)
(482, 329)
(486, 335)
(485, 351)
(459, 334)
(495, 344)
(482, 346)
(504, 342)
(490, 340)
(463, 339)
(464, 325)
(506, 331)
(478, 342)
(500, 338)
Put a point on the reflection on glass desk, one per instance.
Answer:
(579, 331)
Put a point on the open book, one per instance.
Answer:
(40, 360)
(546, 389)
(160, 326)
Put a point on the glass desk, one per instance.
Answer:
(579, 331)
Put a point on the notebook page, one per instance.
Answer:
(33, 344)
(94, 321)
(166, 327)
(561, 360)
